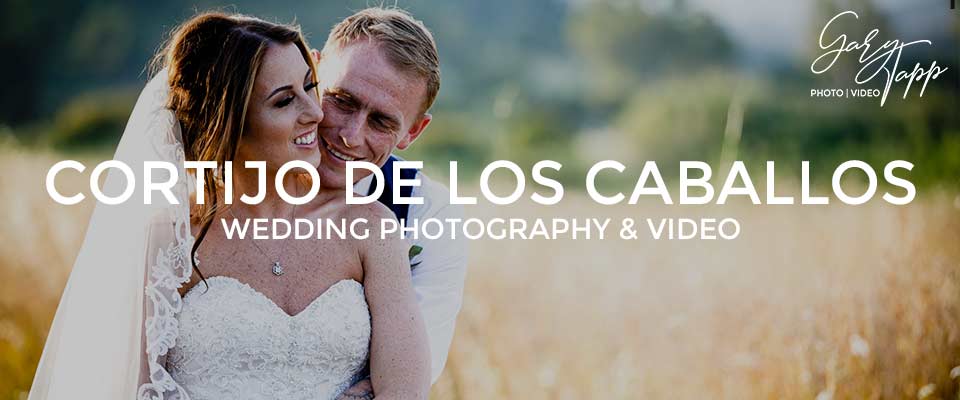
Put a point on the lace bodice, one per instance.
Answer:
(235, 343)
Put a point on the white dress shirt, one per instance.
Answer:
(440, 269)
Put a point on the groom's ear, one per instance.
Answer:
(415, 130)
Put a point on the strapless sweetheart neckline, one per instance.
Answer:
(257, 293)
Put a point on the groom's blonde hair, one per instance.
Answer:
(406, 42)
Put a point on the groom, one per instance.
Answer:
(380, 73)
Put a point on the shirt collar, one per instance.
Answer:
(362, 186)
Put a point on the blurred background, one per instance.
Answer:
(811, 302)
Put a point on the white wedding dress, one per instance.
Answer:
(235, 343)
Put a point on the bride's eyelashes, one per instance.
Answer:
(284, 102)
(289, 99)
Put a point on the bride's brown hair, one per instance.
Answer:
(212, 62)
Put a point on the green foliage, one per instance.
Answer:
(91, 121)
(575, 82)
(625, 46)
(101, 40)
(679, 118)
(784, 124)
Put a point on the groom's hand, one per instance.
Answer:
(362, 390)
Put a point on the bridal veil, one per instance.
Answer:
(118, 315)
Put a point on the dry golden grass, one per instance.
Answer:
(810, 302)
(819, 302)
(38, 242)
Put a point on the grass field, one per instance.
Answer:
(831, 302)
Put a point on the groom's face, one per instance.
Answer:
(370, 108)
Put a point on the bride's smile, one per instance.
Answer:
(284, 111)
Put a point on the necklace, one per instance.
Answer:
(276, 267)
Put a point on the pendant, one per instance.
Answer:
(277, 268)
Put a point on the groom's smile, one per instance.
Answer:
(341, 155)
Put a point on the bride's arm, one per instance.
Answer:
(399, 352)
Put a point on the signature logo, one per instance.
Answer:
(877, 59)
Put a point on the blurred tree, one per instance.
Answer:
(687, 124)
(101, 40)
(624, 45)
(31, 39)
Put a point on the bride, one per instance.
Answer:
(161, 305)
